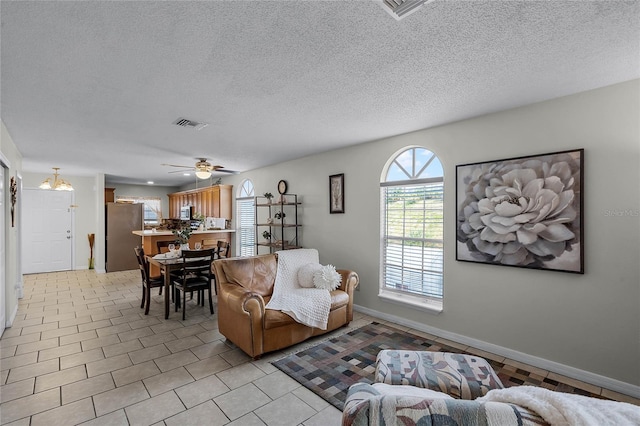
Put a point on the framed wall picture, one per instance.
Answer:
(524, 212)
(336, 193)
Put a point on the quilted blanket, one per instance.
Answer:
(559, 409)
(367, 406)
(308, 306)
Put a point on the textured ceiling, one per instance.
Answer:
(93, 87)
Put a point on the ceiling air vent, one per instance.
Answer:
(401, 8)
(183, 122)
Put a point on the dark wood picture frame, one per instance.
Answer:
(336, 193)
(524, 212)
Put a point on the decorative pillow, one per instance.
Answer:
(327, 278)
(408, 390)
(305, 274)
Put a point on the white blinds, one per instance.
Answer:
(152, 206)
(246, 231)
(412, 238)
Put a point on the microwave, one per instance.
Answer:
(185, 213)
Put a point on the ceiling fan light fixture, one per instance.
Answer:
(202, 169)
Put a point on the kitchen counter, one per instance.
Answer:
(170, 234)
(150, 238)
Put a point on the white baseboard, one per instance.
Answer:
(11, 318)
(565, 370)
(19, 288)
(86, 268)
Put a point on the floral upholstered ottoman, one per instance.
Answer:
(431, 388)
(460, 376)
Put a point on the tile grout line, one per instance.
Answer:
(125, 308)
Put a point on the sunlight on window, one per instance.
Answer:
(152, 207)
(245, 235)
(412, 228)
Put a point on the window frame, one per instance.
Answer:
(412, 299)
(245, 195)
(147, 205)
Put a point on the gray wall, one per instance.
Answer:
(588, 322)
(13, 277)
(88, 196)
(145, 191)
(85, 221)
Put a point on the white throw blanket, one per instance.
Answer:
(558, 408)
(308, 306)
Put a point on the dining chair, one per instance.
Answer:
(221, 252)
(207, 244)
(148, 282)
(163, 247)
(195, 275)
(222, 249)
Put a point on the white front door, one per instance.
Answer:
(46, 231)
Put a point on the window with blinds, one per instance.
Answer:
(245, 211)
(412, 227)
(152, 207)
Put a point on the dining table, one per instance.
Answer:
(167, 264)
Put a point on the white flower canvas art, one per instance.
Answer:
(524, 212)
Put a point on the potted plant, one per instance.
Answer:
(266, 235)
(268, 196)
(182, 236)
(279, 215)
(200, 218)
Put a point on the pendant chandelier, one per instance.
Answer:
(58, 184)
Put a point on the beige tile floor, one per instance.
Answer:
(81, 351)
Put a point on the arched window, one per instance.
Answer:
(411, 191)
(245, 211)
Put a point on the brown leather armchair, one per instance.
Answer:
(245, 286)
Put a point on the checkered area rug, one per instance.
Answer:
(330, 368)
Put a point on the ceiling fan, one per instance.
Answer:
(202, 168)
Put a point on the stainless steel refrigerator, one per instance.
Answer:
(122, 219)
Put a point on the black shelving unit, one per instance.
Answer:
(284, 231)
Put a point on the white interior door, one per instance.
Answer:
(47, 234)
(3, 269)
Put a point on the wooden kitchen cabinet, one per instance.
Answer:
(214, 201)
(109, 195)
